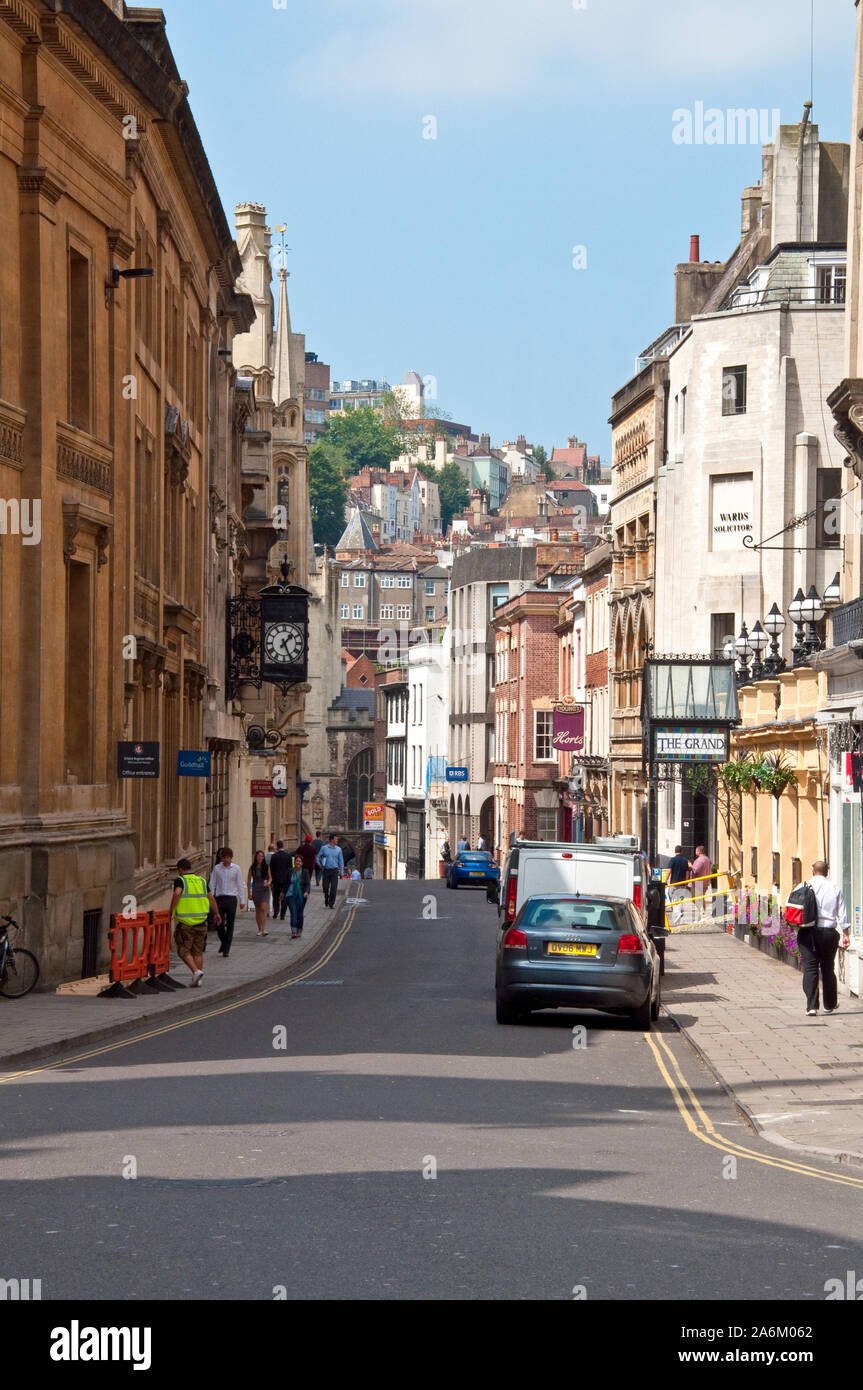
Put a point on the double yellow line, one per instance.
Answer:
(699, 1124)
(197, 1018)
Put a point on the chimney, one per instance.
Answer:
(695, 247)
(521, 444)
(485, 444)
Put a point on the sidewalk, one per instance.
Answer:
(40, 1024)
(798, 1079)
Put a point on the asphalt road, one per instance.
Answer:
(260, 1167)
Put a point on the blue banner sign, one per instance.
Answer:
(192, 763)
(456, 774)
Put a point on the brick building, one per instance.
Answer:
(526, 647)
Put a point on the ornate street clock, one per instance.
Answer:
(268, 637)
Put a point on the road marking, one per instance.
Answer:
(700, 1125)
(198, 1018)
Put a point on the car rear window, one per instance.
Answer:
(474, 858)
(574, 912)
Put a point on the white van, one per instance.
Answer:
(608, 867)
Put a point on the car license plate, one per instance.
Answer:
(570, 948)
(476, 873)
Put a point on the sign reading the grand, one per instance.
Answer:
(688, 744)
(568, 730)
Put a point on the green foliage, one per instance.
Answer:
(454, 492)
(364, 438)
(540, 455)
(700, 777)
(327, 491)
(769, 772)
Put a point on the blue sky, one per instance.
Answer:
(453, 256)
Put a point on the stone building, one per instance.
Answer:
(117, 418)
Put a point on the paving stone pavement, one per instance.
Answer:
(40, 1024)
(798, 1079)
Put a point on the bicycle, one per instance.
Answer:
(19, 969)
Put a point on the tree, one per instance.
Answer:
(364, 439)
(454, 492)
(540, 455)
(327, 490)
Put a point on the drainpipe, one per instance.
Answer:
(807, 111)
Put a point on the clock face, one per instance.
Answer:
(284, 644)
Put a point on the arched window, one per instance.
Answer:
(360, 786)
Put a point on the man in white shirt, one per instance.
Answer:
(228, 888)
(480, 844)
(819, 943)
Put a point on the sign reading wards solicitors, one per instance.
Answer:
(568, 730)
(682, 744)
(137, 759)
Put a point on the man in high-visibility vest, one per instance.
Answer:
(191, 905)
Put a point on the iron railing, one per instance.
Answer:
(847, 622)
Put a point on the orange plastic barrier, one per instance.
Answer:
(159, 959)
(130, 939)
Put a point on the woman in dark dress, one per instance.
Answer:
(259, 890)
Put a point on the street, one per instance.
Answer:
(366, 1130)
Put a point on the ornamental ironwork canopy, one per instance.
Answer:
(686, 689)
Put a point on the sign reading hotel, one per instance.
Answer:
(568, 730)
(373, 815)
(683, 744)
(730, 510)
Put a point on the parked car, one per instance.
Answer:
(577, 952)
(473, 869)
(609, 866)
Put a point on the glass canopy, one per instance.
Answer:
(689, 689)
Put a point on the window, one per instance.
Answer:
(404, 581)
(404, 610)
(734, 391)
(346, 579)
(722, 629)
(388, 610)
(546, 823)
(360, 786)
(79, 346)
(79, 684)
(827, 507)
(358, 610)
(683, 411)
(359, 581)
(429, 615)
(430, 586)
(346, 610)
(388, 581)
(830, 282)
(543, 752)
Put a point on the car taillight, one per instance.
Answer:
(636, 895)
(511, 894)
(515, 939)
(629, 945)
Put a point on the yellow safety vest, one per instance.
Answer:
(193, 905)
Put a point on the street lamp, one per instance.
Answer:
(833, 593)
(795, 613)
(774, 624)
(812, 612)
(758, 641)
(743, 648)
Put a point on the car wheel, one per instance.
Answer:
(448, 884)
(504, 1012)
(641, 1016)
(654, 1008)
(453, 885)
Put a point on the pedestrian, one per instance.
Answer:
(332, 862)
(191, 905)
(259, 889)
(228, 888)
(462, 845)
(701, 864)
(307, 852)
(678, 868)
(446, 852)
(281, 866)
(368, 873)
(271, 849)
(819, 943)
(296, 896)
(480, 844)
(317, 846)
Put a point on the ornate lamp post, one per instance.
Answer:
(743, 649)
(774, 624)
(795, 613)
(758, 641)
(812, 612)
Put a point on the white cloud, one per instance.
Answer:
(472, 49)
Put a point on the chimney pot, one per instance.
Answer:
(695, 247)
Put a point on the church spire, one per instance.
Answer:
(283, 383)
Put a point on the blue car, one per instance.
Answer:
(473, 868)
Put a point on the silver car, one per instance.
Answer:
(577, 952)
